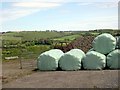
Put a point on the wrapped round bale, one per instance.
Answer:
(113, 59)
(104, 43)
(49, 59)
(71, 60)
(94, 60)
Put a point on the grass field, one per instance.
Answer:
(32, 35)
(69, 38)
(12, 42)
(29, 52)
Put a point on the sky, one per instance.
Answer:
(60, 15)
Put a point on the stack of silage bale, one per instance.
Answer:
(103, 53)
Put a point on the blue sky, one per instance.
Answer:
(58, 15)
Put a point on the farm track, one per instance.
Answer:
(68, 79)
(11, 69)
(13, 77)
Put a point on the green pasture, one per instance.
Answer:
(32, 35)
(28, 52)
(67, 38)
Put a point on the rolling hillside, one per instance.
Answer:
(33, 35)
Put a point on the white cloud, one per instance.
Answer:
(100, 4)
(85, 3)
(89, 24)
(98, 23)
(110, 22)
(36, 4)
(12, 14)
(60, 0)
(107, 4)
(21, 9)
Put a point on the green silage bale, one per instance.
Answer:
(113, 59)
(49, 59)
(94, 60)
(104, 43)
(71, 60)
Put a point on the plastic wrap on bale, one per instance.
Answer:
(49, 59)
(71, 60)
(94, 60)
(104, 43)
(113, 59)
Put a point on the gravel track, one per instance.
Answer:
(68, 79)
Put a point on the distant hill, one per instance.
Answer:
(36, 35)
(33, 35)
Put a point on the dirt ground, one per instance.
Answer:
(13, 77)
(11, 69)
(67, 79)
